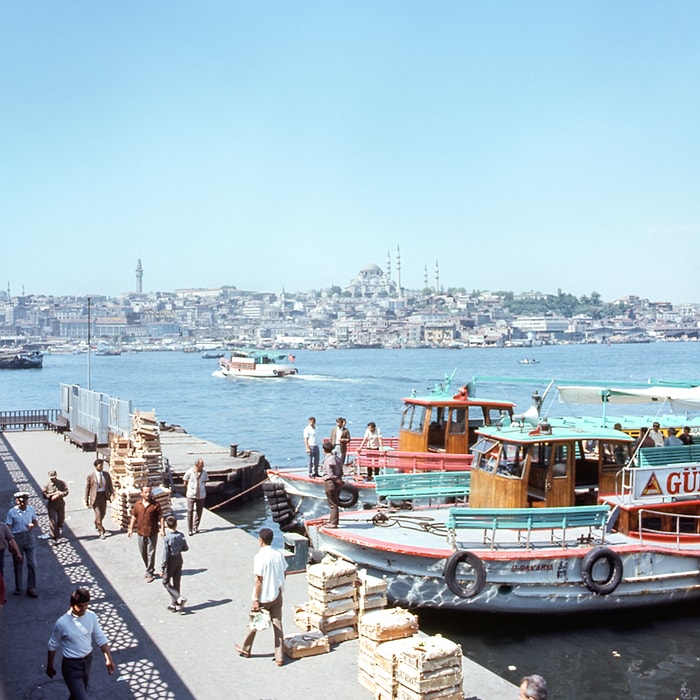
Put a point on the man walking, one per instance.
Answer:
(195, 480)
(311, 445)
(21, 519)
(332, 481)
(99, 490)
(74, 633)
(269, 567)
(147, 518)
(54, 493)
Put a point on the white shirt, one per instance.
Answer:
(372, 438)
(270, 564)
(100, 480)
(657, 436)
(74, 634)
(196, 483)
(310, 435)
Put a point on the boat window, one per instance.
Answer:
(512, 460)
(559, 460)
(458, 418)
(485, 453)
(408, 417)
(617, 453)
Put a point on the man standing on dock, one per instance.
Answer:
(54, 493)
(147, 517)
(21, 519)
(311, 445)
(99, 490)
(195, 481)
(269, 567)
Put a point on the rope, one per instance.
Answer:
(238, 495)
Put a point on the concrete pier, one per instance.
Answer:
(160, 655)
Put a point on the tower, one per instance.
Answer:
(139, 277)
(398, 271)
(437, 277)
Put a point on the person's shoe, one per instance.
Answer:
(241, 652)
(172, 608)
(150, 579)
(191, 532)
(103, 535)
(18, 592)
(181, 601)
(32, 593)
(279, 663)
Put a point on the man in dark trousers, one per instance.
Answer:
(147, 518)
(74, 633)
(99, 490)
(54, 493)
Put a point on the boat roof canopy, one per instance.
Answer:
(552, 433)
(687, 398)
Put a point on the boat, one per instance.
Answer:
(561, 519)
(528, 361)
(435, 434)
(257, 364)
(21, 359)
(213, 354)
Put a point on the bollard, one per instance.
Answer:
(234, 450)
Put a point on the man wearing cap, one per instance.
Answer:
(98, 490)
(54, 493)
(21, 519)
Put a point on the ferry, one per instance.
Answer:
(435, 435)
(561, 518)
(257, 364)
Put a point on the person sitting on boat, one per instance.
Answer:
(373, 439)
(685, 437)
(656, 435)
(332, 481)
(672, 440)
(644, 439)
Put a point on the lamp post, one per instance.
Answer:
(88, 344)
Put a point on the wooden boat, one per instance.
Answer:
(257, 364)
(560, 519)
(435, 434)
(20, 359)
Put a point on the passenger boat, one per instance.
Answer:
(20, 359)
(257, 364)
(561, 518)
(435, 434)
(528, 361)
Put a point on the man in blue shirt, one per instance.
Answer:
(21, 519)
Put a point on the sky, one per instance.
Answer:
(267, 145)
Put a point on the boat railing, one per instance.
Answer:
(684, 527)
(388, 443)
(28, 420)
(411, 461)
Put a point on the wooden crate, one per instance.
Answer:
(391, 623)
(297, 646)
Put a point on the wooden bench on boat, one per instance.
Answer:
(525, 520)
(59, 424)
(82, 438)
(661, 456)
(412, 461)
(406, 486)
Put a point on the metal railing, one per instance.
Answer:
(28, 420)
(675, 534)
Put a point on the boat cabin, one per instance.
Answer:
(448, 424)
(518, 467)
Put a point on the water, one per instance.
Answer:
(639, 656)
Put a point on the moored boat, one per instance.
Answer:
(560, 519)
(257, 364)
(21, 359)
(435, 435)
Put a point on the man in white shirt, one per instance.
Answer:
(269, 567)
(656, 435)
(311, 445)
(74, 633)
(195, 480)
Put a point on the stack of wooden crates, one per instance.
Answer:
(135, 461)
(395, 663)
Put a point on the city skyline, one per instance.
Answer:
(516, 145)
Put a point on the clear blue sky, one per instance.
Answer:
(521, 145)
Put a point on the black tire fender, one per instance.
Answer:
(450, 574)
(614, 564)
(348, 496)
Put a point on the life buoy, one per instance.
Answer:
(609, 584)
(348, 496)
(458, 587)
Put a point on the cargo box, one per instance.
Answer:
(297, 646)
(392, 623)
(329, 574)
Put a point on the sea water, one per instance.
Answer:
(642, 655)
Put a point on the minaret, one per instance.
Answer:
(437, 277)
(398, 271)
(388, 272)
(139, 277)
(425, 277)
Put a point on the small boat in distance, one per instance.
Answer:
(528, 361)
(257, 364)
(21, 359)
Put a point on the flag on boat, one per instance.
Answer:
(291, 357)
